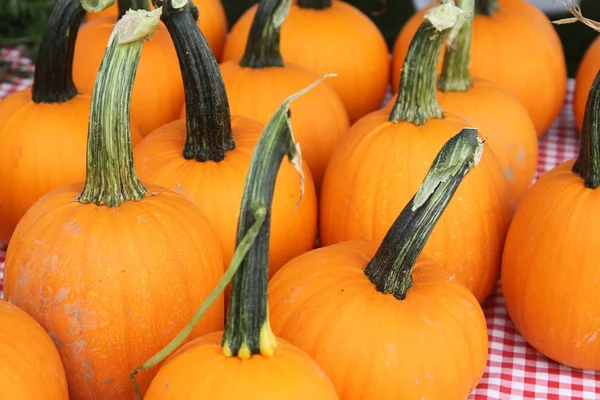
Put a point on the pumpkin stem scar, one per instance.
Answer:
(456, 71)
(587, 164)
(314, 4)
(125, 5)
(262, 47)
(391, 267)
(416, 101)
(95, 6)
(110, 177)
(486, 7)
(247, 327)
(208, 120)
(53, 77)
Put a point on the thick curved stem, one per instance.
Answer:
(110, 177)
(262, 48)
(456, 70)
(587, 164)
(391, 267)
(315, 4)
(416, 101)
(125, 5)
(53, 79)
(486, 7)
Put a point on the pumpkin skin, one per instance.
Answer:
(550, 269)
(360, 56)
(31, 368)
(318, 298)
(497, 41)
(318, 118)
(217, 188)
(157, 92)
(378, 167)
(290, 374)
(588, 68)
(75, 267)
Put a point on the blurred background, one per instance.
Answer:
(22, 21)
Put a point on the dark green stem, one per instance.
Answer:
(208, 121)
(587, 164)
(391, 267)
(247, 329)
(486, 7)
(315, 4)
(262, 47)
(125, 5)
(416, 101)
(110, 177)
(53, 79)
(456, 70)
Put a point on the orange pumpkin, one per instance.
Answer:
(310, 38)
(550, 264)
(588, 68)
(246, 361)
(382, 160)
(499, 29)
(43, 130)
(318, 118)
(112, 271)
(207, 157)
(417, 331)
(31, 368)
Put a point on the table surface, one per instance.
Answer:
(514, 369)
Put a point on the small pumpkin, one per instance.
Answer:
(206, 157)
(318, 118)
(417, 331)
(114, 269)
(550, 264)
(588, 68)
(246, 360)
(310, 39)
(499, 29)
(31, 368)
(380, 163)
(43, 130)
(158, 90)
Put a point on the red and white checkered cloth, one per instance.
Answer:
(514, 370)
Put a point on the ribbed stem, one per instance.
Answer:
(486, 7)
(262, 47)
(125, 5)
(456, 70)
(247, 329)
(53, 79)
(416, 101)
(587, 164)
(208, 121)
(391, 267)
(110, 178)
(314, 4)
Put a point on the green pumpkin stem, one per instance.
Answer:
(391, 267)
(110, 177)
(587, 164)
(416, 101)
(262, 47)
(486, 7)
(456, 70)
(125, 5)
(53, 78)
(208, 120)
(315, 4)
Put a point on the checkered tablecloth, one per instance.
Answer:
(514, 370)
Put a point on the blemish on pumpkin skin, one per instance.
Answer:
(508, 174)
(62, 295)
(24, 277)
(109, 380)
(141, 219)
(55, 339)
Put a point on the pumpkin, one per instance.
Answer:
(113, 268)
(550, 263)
(588, 67)
(380, 163)
(416, 330)
(158, 91)
(212, 23)
(43, 130)
(309, 39)
(499, 29)
(246, 360)
(31, 368)
(318, 118)
(206, 158)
